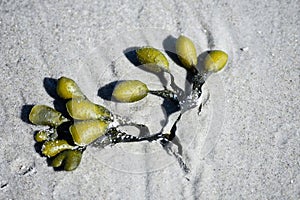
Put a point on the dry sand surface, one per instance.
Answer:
(245, 144)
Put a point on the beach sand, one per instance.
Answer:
(243, 145)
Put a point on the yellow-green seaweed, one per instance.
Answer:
(45, 115)
(86, 132)
(69, 159)
(83, 109)
(152, 59)
(68, 89)
(130, 91)
(53, 147)
(41, 136)
(215, 60)
(186, 52)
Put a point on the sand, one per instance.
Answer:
(243, 145)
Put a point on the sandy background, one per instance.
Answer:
(244, 145)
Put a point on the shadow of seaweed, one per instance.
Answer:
(64, 133)
(106, 91)
(38, 146)
(25, 110)
(131, 55)
(170, 106)
(169, 45)
(200, 63)
(50, 85)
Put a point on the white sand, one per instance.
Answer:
(245, 143)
